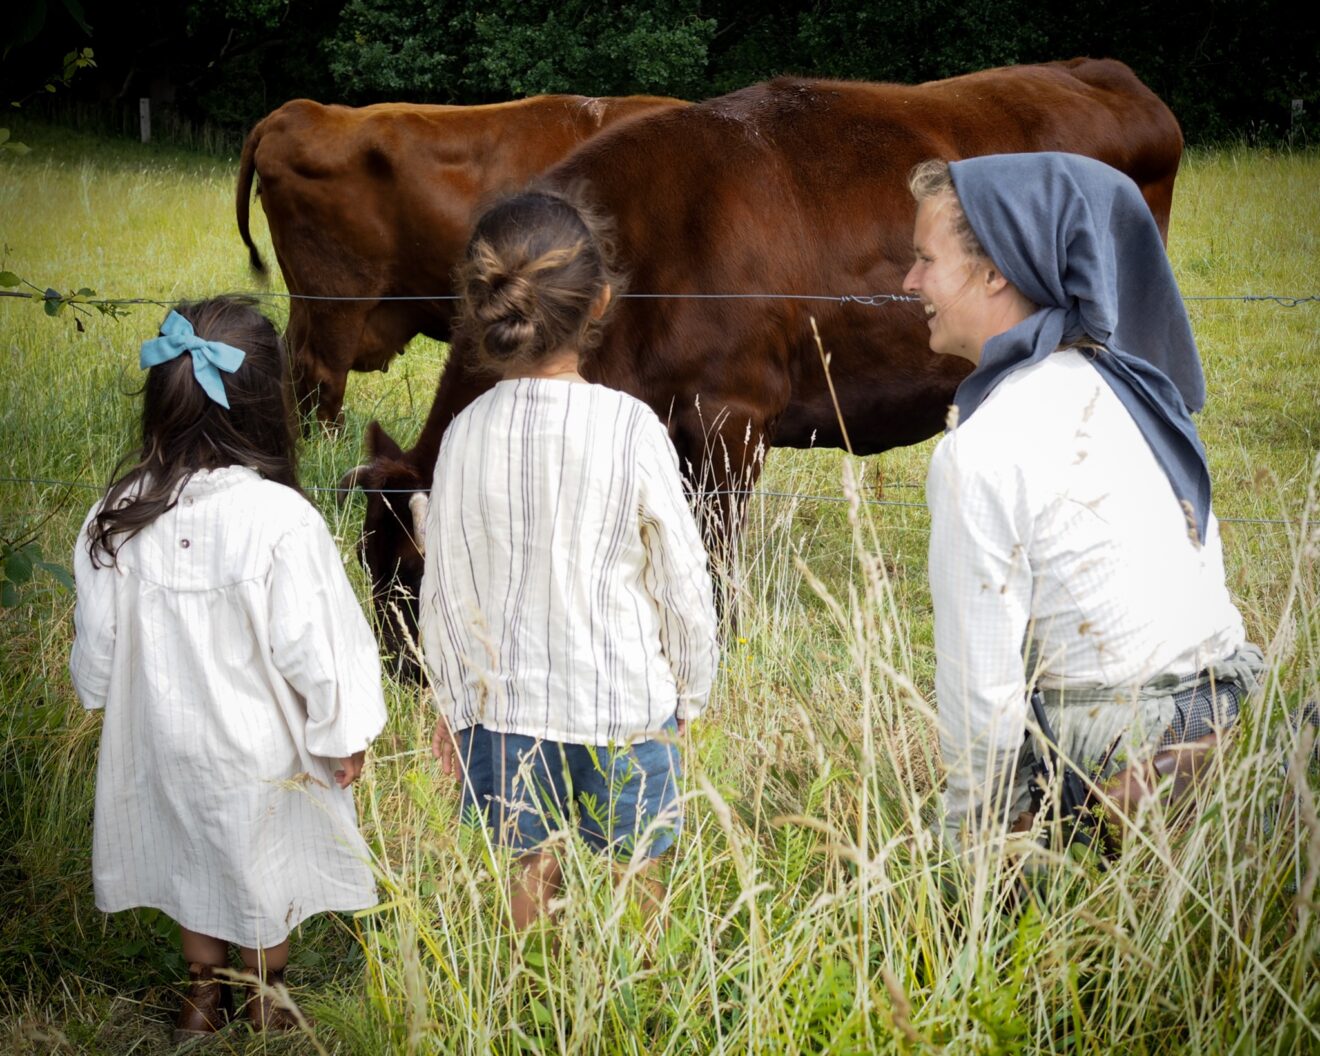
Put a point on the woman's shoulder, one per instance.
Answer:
(1045, 400)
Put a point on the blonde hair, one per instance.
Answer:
(933, 179)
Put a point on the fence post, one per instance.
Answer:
(144, 119)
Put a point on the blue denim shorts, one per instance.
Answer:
(621, 799)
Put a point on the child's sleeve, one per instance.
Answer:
(321, 643)
(447, 612)
(441, 624)
(676, 574)
(91, 658)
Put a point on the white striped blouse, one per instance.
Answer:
(566, 594)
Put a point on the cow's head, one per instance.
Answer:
(391, 547)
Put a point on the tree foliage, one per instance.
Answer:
(1228, 68)
(452, 50)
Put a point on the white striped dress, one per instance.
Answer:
(565, 593)
(235, 668)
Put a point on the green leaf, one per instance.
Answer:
(8, 278)
(75, 10)
(86, 291)
(17, 148)
(57, 572)
(540, 1013)
(4, 135)
(18, 567)
(8, 594)
(53, 307)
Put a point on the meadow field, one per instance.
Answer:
(809, 908)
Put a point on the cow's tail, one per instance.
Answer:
(246, 167)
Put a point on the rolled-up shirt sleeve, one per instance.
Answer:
(677, 577)
(981, 585)
(94, 627)
(321, 642)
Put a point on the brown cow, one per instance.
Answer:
(794, 186)
(376, 202)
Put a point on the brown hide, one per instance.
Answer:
(794, 186)
(376, 201)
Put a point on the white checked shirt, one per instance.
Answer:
(1053, 524)
(565, 592)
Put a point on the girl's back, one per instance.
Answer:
(205, 609)
(558, 517)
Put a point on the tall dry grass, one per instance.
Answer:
(809, 909)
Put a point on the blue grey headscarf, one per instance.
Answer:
(1076, 237)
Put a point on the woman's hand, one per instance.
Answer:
(445, 749)
(350, 769)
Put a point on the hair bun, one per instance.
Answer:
(534, 267)
(510, 337)
(513, 297)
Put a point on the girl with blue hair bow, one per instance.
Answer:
(1073, 548)
(240, 683)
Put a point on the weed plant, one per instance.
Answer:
(809, 908)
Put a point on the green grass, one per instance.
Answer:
(808, 909)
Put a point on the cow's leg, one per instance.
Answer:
(330, 400)
(324, 340)
(722, 448)
(318, 393)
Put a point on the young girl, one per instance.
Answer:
(240, 682)
(567, 616)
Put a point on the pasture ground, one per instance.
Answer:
(808, 910)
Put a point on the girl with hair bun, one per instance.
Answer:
(567, 615)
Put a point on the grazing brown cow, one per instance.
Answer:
(376, 202)
(793, 186)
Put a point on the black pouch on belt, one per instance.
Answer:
(1076, 821)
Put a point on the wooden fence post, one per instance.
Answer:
(144, 119)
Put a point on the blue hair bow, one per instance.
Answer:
(209, 357)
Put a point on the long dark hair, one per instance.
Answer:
(184, 430)
(535, 265)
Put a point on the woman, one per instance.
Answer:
(1073, 548)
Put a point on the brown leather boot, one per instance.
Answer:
(207, 1006)
(265, 1009)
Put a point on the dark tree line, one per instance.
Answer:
(1228, 68)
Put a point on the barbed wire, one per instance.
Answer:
(870, 300)
(755, 493)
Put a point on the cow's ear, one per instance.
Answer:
(380, 443)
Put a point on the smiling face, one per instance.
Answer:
(967, 301)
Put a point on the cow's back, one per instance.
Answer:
(800, 187)
(369, 210)
(354, 193)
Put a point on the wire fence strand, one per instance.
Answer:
(867, 300)
(748, 493)
(871, 300)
